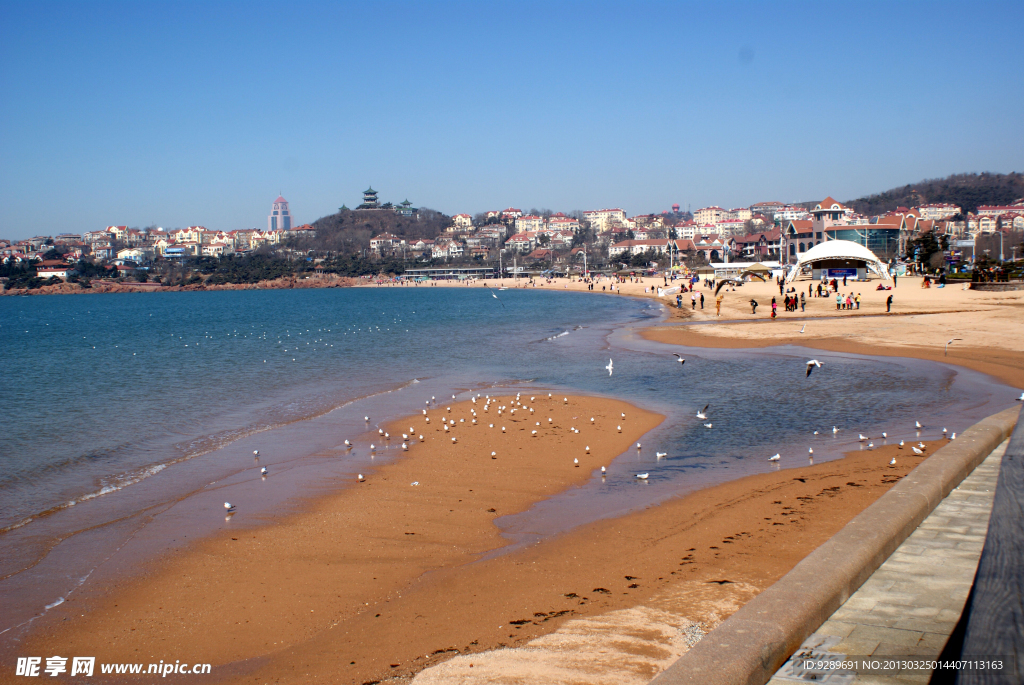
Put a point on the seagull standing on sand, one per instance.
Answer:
(811, 365)
(892, 462)
(229, 506)
(263, 471)
(609, 367)
(901, 444)
(1021, 398)
(679, 359)
(576, 462)
(916, 451)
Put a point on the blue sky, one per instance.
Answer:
(201, 113)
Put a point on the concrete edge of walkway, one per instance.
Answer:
(752, 644)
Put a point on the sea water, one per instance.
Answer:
(124, 415)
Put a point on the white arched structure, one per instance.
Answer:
(838, 255)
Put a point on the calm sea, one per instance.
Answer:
(119, 413)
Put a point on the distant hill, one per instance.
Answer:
(965, 190)
(349, 231)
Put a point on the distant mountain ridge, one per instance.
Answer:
(967, 191)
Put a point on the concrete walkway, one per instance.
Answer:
(910, 605)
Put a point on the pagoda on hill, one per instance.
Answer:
(370, 200)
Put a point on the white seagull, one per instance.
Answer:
(861, 437)
(953, 436)
(679, 359)
(361, 478)
(917, 425)
(810, 366)
(263, 471)
(884, 434)
(229, 506)
(602, 470)
(575, 462)
(802, 328)
(810, 450)
(256, 453)
(703, 413)
(609, 367)
(916, 451)
(901, 444)
(659, 455)
(892, 462)
(707, 425)
(642, 476)
(775, 457)
(1021, 398)
(834, 430)
(943, 431)
(815, 432)
(946, 348)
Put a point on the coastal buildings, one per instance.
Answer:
(280, 218)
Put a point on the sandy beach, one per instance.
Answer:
(385, 578)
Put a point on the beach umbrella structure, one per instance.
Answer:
(838, 259)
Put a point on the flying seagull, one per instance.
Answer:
(703, 413)
(946, 348)
(802, 328)
(679, 359)
(724, 281)
(810, 366)
(496, 297)
(609, 367)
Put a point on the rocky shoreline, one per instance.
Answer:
(99, 286)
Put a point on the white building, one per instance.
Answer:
(280, 218)
(938, 211)
(603, 219)
(529, 222)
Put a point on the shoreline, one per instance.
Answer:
(100, 287)
(376, 572)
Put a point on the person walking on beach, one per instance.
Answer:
(775, 306)
(856, 301)
(894, 279)
(718, 305)
(888, 304)
(802, 302)
(702, 300)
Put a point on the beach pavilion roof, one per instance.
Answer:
(839, 249)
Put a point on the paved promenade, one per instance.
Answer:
(910, 605)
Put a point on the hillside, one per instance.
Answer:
(350, 231)
(965, 190)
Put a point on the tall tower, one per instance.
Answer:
(280, 218)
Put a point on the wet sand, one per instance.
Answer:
(384, 578)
